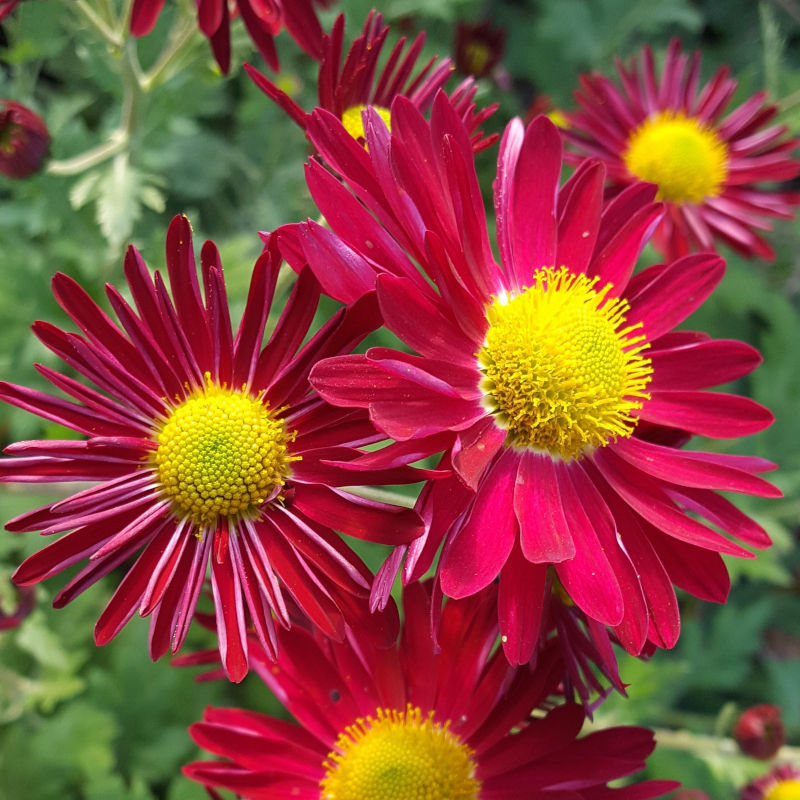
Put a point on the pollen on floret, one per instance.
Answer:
(221, 453)
(562, 370)
(399, 755)
(354, 122)
(683, 155)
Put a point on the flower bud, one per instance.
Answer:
(691, 794)
(759, 731)
(24, 140)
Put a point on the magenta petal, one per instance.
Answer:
(675, 293)
(475, 448)
(690, 468)
(588, 577)
(713, 414)
(702, 364)
(473, 558)
(579, 220)
(545, 534)
(520, 603)
(535, 186)
(229, 607)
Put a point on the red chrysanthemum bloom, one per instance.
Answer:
(209, 450)
(24, 140)
(347, 88)
(708, 167)
(479, 47)
(264, 19)
(413, 721)
(781, 783)
(559, 375)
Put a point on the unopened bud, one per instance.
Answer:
(760, 732)
(24, 140)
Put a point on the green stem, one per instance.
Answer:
(117, 142)
(702, 744)
(111, 36)
(180, 36)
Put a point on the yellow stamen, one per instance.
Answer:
(354, 124)
(684, 156)
(222, 453)
(785, 790)
(399, 756)
(562, 370)
(477, 55)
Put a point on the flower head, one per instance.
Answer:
(780, 783)
(708, 165)
(264, 19)
(24, 140)
(478, 47)
(207, 450)
(759, 731)
(346, 88)
(557, 374)
(452, 723)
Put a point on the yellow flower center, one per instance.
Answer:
(685, 157)
(562, 371)
(354, 124)
(785, 790)
(477, 55)
(222, 453)
(399, 756)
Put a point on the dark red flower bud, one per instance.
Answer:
(691, 794)
(479, 47)
(759, 731)
(24, 140)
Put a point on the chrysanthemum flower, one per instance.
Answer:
(264, 19)
(559, 375)
(347, 88)
(781, 783)
(708, 165)
(24, 140)
(478, 48)
(413, 721)
(207, 450)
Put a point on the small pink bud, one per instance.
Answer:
(691, 794)
(759, 731)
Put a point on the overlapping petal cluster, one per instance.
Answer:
(558, 375)
(360, 702)
(264, 20)
(347, 86)
(207, 450)
(710, 165)
(780, 783)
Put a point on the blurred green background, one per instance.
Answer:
(78, 721)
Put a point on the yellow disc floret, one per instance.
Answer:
(684, 156)
(399, 755)
(354, 124)
(221, 453)
(562, 371)
(785, 790)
